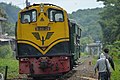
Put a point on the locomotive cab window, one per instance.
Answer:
(55, 15)
(28, 16)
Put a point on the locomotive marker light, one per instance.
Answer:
(62, 58)
(42, 7)
(24, 59)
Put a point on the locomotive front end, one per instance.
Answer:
(42, 35)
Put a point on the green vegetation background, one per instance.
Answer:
(7, 59)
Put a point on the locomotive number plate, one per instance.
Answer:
(42, 28)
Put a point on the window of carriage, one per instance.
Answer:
(29, 16)
(55, 15)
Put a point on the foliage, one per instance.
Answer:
(2, 13)
(116, 73)
(8, 28)
(110, 20)
(11, 11)
(12, 67)
(88, 19)
(86, 40)
(5, 51)
(114, 49)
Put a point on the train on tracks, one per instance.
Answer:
(47, 41)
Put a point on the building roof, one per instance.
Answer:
(2, 40)
(2, 19)
(93, 45)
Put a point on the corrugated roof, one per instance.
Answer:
(2, 19)
(4, 39)
(93, 44)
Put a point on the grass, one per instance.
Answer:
(12, 67)
(116, 73)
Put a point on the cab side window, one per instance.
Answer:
(34, 16)
(28, 16)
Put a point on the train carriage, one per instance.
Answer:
(47, 42)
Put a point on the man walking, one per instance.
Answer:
(102, 66)
(106, 53)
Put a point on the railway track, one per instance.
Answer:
(83, 71)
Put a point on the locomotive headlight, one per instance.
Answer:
(24, 59)
(42, 7)
(41, 10)
(63, 58)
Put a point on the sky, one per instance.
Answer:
(68, 5)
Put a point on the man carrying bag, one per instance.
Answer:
(103, 67)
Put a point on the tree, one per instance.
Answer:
(88, 21)
(86, 40)
(110, 20)
(7, 27)
(2, 13)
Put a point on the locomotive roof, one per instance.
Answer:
(74, 21)
(45, 4)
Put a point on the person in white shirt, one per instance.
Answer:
(103, 67)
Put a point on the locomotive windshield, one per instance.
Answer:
(55, 15)
(28, 16)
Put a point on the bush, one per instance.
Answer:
(12, 68)
(116, 73)
(114, 49)
(118, 56)
(5, 51)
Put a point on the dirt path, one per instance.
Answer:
(85, 71)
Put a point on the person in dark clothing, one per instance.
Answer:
(106, 53)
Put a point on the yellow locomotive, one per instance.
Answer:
(47, 42)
